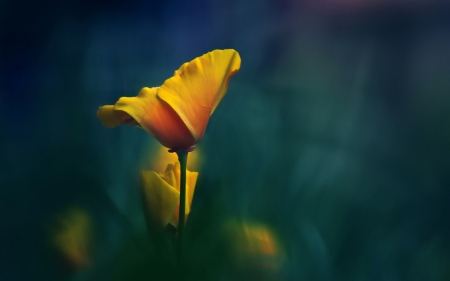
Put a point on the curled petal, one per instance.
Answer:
(160, 199)
(169, 177)
(197, 87)
(152, 114)
(127, 110)
(112, 118)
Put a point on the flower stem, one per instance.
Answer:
(182, 157)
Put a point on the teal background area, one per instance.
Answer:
(335, 134)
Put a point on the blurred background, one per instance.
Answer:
(327, 159)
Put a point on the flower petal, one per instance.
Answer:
(162, 122)
(176, 171)
(169, 167)
(197, 87)
(127, 110)
(160, 199)
(111, 118)
(169, 177)
(136, 107)
(152, 114)
(191, 180)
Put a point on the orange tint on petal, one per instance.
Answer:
(197, 87)
(152, 114)
(161, 121)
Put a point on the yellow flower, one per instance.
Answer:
(176, 114)
(71, 237)
(254, 245)
(161, 195)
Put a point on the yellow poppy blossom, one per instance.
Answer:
(161, 195)
(176, 114)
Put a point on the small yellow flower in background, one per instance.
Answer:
(71, 238)
(161, 195)
(254, 245)
(177, 113)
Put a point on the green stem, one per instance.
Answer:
(182, 157)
